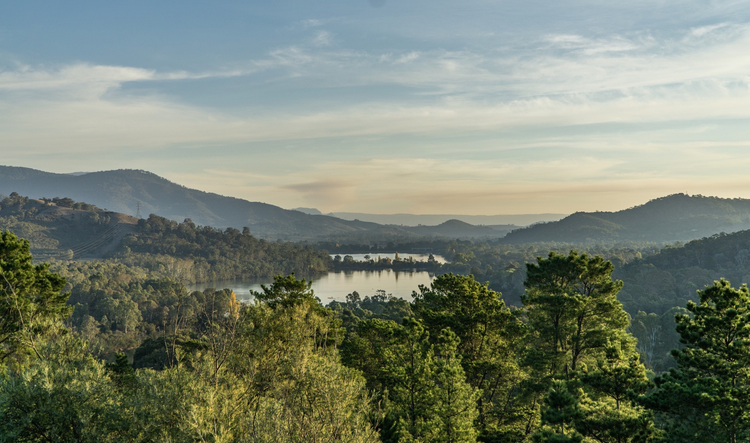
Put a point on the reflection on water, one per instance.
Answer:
(336, 285)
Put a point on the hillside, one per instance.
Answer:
(124, 190)
(62, 228)
(677, 217)
(672, 277)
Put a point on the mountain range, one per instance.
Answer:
(134, 191)
(436, 219)
(677, 217)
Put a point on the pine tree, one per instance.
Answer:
(429, 399)
(578, 333)
(560, 412)
(705, 398)
(455, 400)
(489, 339)
(572, 308)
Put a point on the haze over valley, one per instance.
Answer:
(375, 221)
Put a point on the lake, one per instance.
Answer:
(336, 285)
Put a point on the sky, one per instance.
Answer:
(387, 106)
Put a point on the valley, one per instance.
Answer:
(131, 279)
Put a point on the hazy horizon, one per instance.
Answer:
(387, 107)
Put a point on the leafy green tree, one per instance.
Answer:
(455, 399)
(489, 339)
(572, 308)
(286, 292)
(561, 410)
(365, 349)
(608, 411)
(120, 371)
(410, 366)
(428, 397)
(705, 397)
(66, 396)
(31, 298)
(578, 335)
(295, 388)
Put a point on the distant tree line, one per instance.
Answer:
(193, 253)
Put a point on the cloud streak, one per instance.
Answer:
(555, 96)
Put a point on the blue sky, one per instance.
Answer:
(475, 107)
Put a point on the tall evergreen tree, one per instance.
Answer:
(428, 397)
(706, 397)
(578, 335)
(572, 308)
(490, 337)
(455, 400)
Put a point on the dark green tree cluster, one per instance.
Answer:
(563, 368)
(503, 266)
(31, 299)
(418, 378)
(670, 278)
(706, 396)
(49, 231)
(193, 253)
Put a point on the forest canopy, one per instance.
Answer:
(455, 364)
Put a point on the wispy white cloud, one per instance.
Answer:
(590, 47)
(94, 80)
(311, 23)
(701, 76)
(703, 30)
(322, 38)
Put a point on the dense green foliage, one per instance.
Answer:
(63, 229)
(672, 277)
(31, 301)
(202, 253)
(143, 359)
(705, 397)
(233, 372)
(488, 334)
(580, 354)
(503, 266)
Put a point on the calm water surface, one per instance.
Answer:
(336, 285)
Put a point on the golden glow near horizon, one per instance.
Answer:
(519, 107)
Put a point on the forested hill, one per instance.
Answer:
(124, 190)
(64, 229)
(672, 277)
(677, 217)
